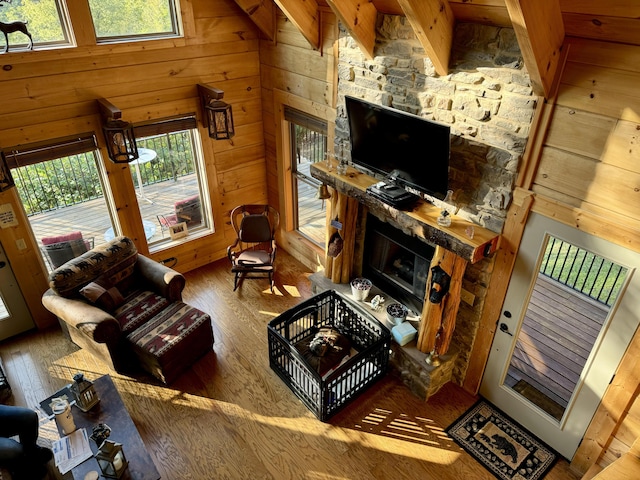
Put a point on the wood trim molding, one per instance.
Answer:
(305, 16)
(432, 22)
(263, 14)
(496, 290)
(360, 19)
(540, 32)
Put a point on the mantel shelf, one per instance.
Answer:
(421, 221)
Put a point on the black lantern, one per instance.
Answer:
(118, 134)
(218, 113)
(84, 393)
(6, 180)
(111, 459)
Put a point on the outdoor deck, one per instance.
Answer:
(92, 217)
(558, 333)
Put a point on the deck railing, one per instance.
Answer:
(583, 271)
(72, 180)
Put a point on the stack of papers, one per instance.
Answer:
(72, 450)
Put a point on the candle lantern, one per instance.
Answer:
(111, 459)
(84, 393)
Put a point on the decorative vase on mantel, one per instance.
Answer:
(448, 208)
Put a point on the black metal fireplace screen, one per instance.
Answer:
(397, 263)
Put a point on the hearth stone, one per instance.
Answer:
(405, 362)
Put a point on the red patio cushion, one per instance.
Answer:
(61, 238)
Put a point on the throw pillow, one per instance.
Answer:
(104, 296)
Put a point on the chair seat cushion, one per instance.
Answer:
(253, 258)
(138, 308)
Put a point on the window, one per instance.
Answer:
(62, 188)
(308, 137)
(117, 21)
(46, 22)
(169, 178)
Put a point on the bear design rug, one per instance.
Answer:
(502, 446)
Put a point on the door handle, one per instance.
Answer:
(3, 264)
(505, 328)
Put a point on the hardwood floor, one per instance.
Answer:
(231, 417)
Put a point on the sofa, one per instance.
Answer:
(127, 311)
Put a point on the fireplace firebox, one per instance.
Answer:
(396, 263)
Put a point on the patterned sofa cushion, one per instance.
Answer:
(114, 261)
(168, 329)
(138, 308)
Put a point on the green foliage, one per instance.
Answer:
(71, 180)
(42, 17)
(114, 18)
(583, 271)
(66, 181)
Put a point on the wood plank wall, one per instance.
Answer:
(307, 76)
(589, 176)
(47, 94)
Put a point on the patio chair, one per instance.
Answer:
(60, 249)
(188, 210)
(254, 251)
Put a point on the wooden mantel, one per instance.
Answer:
(421, 221)
(454, 247)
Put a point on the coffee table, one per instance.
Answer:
(112, 411)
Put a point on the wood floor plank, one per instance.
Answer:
(231, 417)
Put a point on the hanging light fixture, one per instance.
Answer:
(118, 134)
(218, 113)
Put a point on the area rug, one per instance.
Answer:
(502, 446)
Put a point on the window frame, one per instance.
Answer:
(311, 253)
(176, 22)
(66, 26)
(177, 124)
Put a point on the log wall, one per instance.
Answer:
(47, 94)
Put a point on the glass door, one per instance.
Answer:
(566, 322)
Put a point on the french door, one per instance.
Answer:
(568, 317)
(15, 317)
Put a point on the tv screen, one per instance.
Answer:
(406, 149)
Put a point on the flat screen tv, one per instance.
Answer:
(405, 149)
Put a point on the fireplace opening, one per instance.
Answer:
(397, 263)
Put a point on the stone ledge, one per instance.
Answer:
(406, 362)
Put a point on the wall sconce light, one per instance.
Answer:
(118, 134)
(218, 113)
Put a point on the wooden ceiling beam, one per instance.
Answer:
(359, 17)
(540, 32)
(305, 15)
(262, 13)
(432, 22)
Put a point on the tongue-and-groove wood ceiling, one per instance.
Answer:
(540, 25)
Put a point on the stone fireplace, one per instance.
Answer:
(488, 101)
(396, 262)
